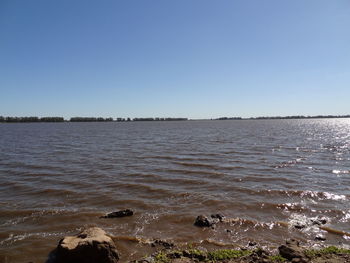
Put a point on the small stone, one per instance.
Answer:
(174, 255)
(203, 221)
(292, 242)
(323, 221)
(320, 238)
(162, 243)
(194, 255)
(261, 253)
(182, 260)
(319, 222)
(218, 216)
(146, 260)
(121, 213)
(298, 226)
(252, 243)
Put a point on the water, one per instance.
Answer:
(57, 178)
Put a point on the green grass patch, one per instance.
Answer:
(161, 257)
(277, 258)
(196, 253)
(224, 254)
(327, 250)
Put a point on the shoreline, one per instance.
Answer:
(95, 245)
(289, 252)
(35, 119)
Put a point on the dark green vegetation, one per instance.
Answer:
(228, 118)
(89, 119)
(200, 255)
(224, 254)
(101, 119)
(312, 253)
(31, 119)
(330, 254)
(285, 117)
(160, 119)
(82, 119)
(277, 258)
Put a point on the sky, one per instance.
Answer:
(183, 58)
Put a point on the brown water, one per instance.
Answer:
(56, 179)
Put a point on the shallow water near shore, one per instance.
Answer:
(56, 178)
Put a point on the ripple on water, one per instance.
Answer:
(57, 178)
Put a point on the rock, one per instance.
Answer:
(194, 254)
(292, 242)
(299, 226)
(261, 253)
(149, 259)
(252, 243)
(292, 251)
(144, 260)
(218, 216)
(182, 260)
(175, 254)
(319, 222)
(257, 256)
(323, 221)
(320, 238)
(162, 243)
(203, 221)
(121, 213)
(90, 246)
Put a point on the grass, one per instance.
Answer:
(277, 258)
(227, 254)
(200, 255)
(224, 254)
(196, 253)
(327, 250)
(161, 257)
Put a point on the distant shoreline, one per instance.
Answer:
(110, 119)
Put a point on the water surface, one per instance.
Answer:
(56, 178)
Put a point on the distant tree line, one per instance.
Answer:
(89, 119)
(228, 118)
(100, 119)
(160, 119)
(122, 119)
(285, 117)
(300, 117)
(31, 119)
(82, 119)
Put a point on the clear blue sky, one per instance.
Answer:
(183, 58)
